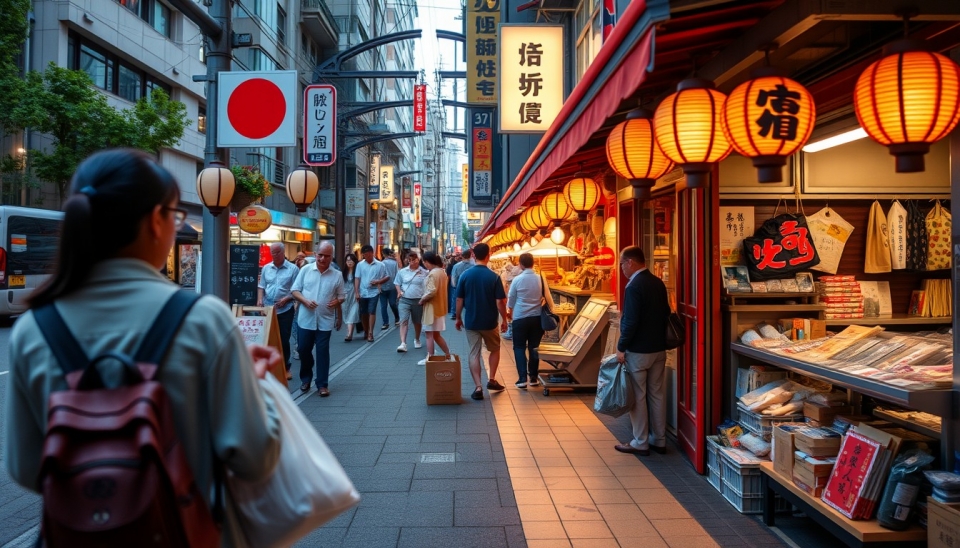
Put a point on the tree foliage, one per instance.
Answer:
(466, 233)
(13, 33)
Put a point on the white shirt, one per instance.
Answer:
(322, 288)
(368, 272)
(525, 294)
(411, 282)
(276, 283)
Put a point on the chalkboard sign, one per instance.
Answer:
(244, 273)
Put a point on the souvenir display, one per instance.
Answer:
(877, 256)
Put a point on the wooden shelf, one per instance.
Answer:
(914, 426)
(937, 402)
(864, 531)
(774, 308)
(896, 319)
(808, 297)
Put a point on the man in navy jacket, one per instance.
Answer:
(642, 347)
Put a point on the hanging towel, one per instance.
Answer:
(938, 238)
(897, 225)
(829, 232)
(916, 237)
(878, 242)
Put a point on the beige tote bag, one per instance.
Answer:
(897, 224)
(878, 242)
(938, 238)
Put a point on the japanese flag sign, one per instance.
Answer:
(257, 109)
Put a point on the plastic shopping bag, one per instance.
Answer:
(307, 489)
(614, 393)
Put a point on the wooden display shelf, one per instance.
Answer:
(853, 533)
(896, 319)
(806, 297)
(793, 308)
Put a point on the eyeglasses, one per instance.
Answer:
(179, 216)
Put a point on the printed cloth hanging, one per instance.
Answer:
(877, 259)
(938, 238)
(780, 248)
(897, 226)
(916, 237)
(829, 232)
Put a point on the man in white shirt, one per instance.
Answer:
(388, 293)
(369, 276)
(276, 283)
(319, 289)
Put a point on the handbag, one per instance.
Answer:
(307, 488)
(614, 394)
(676, 333)
(548, 320)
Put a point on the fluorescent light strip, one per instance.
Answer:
(836, 140)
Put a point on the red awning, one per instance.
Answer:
(563, 139)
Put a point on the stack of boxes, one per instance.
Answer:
(842, 297)
(806, 454)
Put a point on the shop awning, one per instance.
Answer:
(617, 71)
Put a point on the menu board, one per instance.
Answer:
(244, 274)
(583, 325)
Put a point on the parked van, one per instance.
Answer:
(28, 253)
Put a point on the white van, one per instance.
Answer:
(29, 239)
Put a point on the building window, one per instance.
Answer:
(154, 12)
(130, 84)
(96, 64)
(281, 26)
(259, 60)
(109, 73)
(202, 119)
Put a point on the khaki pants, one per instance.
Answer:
(649, 414)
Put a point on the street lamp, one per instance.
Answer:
(302, 187)
(215, 186)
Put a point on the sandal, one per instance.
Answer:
(347, 339)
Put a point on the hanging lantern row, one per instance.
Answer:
(216, 185)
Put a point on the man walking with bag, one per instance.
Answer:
(642, 347)
(319, 289)
(276, 282)
(388, 293)
(480, 293)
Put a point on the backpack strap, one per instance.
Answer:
(60, 339)
(153, 347)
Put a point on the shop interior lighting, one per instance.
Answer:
(836, 140)
(546, 248)
(557, 236)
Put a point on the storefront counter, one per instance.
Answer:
(577, 296)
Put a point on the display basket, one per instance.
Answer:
(762, 425)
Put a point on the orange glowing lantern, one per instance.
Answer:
(633, 153)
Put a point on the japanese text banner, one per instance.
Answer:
(531, 77)
(483, 18)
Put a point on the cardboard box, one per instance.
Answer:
(443, 380)
(817, 442)
(783, 449)
(817, 467)
(812, 491)
(943, 524)
(813, 482)
(824, 414)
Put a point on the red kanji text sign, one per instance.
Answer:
(420, 108)
(782, 246)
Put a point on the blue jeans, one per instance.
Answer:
(452, 299)
(285, 323)
(308, 340)
(527, 334)
(389, 295)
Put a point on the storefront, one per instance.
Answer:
(691, 229)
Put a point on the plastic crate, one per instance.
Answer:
(713, 453)
(713, 476)
(762, 425)
(741, 486)
(754, 504)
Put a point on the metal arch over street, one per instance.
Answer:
(370, 106)
(452, 135)
(332, 67)
(350, 149)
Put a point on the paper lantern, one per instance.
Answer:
(302, 187)
(525, 222)
(688, 129)
(767, 119)
(908, 100)
(555, 206)
(583, 194)
(633, 153)
(557, 236)
(538, 217)
(215, 186)
(512, 233)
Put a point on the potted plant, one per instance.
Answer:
(252, 186)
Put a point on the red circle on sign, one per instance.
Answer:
(256, 108)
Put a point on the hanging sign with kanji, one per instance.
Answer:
(417, 191)
(780, 248)
(531, 77)
(320, 125)
(483, 18)
(374, 176)
(420, 108)
(482, 158)
(386, 184)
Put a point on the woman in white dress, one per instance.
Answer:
(351, 308)
(434, 303)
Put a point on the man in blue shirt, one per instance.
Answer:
(480, 293)
(274, 289)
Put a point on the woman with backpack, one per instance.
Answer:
(121, 219)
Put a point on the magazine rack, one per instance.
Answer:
(576, 358)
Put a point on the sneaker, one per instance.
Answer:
(416, 343)
(422, 362)
(521, 384)
(535, 382)
(402, 347)
(477, 394)
(396, 323)
(384, 326)
(494, 385)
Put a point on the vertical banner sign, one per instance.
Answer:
(531, 77)
(355, 202)
(417, 190)
(386, 184)
(406, 198)
(319, 125)
(466, 180)
(483, 17)
(374, 176)
(609, 17)
(420, 107)
(481, 158)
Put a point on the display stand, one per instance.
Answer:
(576, 358)
(259, 326)
(576, 295)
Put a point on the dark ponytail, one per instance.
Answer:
(111, 192)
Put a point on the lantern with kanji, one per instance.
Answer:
(688, 128)
(633, 153)
(768, 118)
(908, 100)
